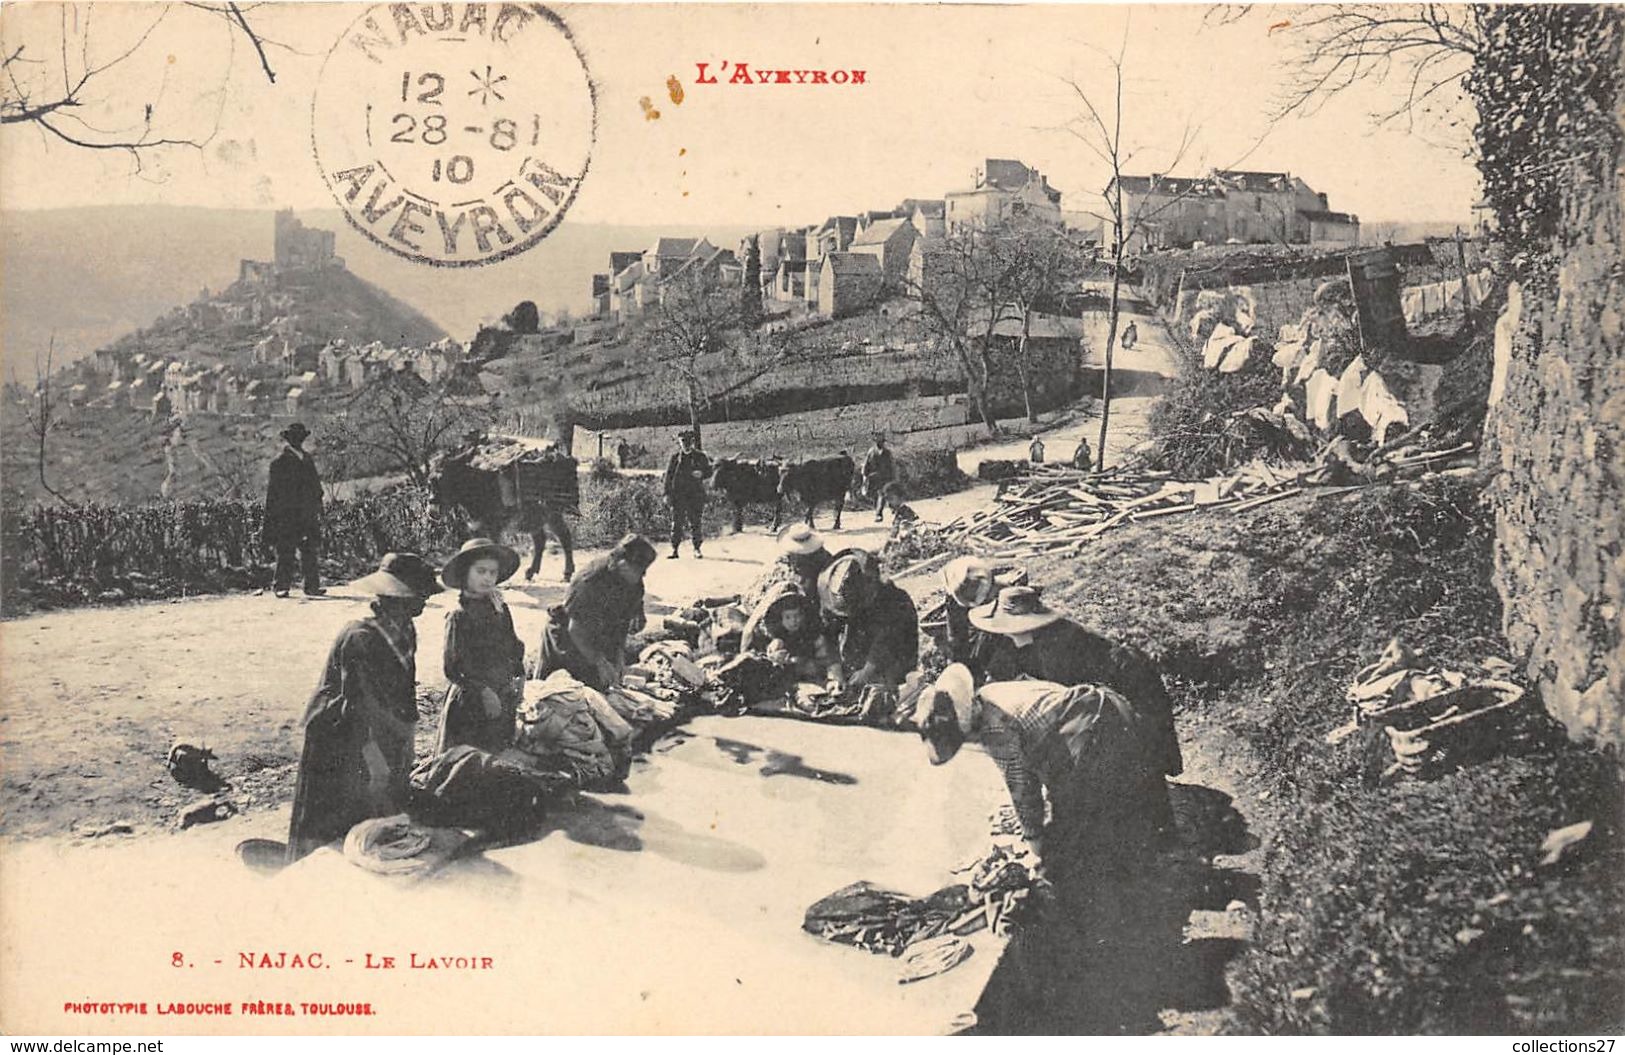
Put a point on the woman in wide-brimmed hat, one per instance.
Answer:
(1029, 639)
(1082, 744)
(970, 582)
(484, 658)
(360, 721)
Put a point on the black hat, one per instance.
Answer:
(634, 549)
(295, 433)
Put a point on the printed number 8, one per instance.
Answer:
(506, 131)
(177, 960)
(434, 129)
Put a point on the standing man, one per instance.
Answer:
(293, 512)
(879, 474)
(685, 489)
(1035, 451)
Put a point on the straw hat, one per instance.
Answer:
(1017, 610)
(846, 584)
(474, 549)
(399, 846)
(400, 575)
(968, 580)
(947, 713)
(799, 540)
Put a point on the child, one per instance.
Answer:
(485, 660)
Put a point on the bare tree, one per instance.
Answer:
(1043, 260)
(1129, 220)
(698, 336)
(56, 71)
(400, 422)
(1427, 48)
(964, 287)
(40, 411)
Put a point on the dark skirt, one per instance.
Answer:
(464, 720)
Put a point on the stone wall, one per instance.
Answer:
(1557, 435)
(929, 423)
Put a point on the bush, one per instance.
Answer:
(78, 554)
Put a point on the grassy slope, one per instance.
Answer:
(1375, 898)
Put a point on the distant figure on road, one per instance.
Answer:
(623, 454)
(880, 475)
(1082, 457)
(1131, 333)
(293, 512)
(1035, 451)
(685, 490)
(360, 721)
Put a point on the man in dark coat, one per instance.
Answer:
(685, 489)
(880, 475)
(293, 512)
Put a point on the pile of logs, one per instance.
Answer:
(1053, 509)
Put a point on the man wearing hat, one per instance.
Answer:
(685, 489)
(293, 512)
(877, 624)
(879, 474)
(359, 724)
(1032, 640)
(586, 635)
(1080, 744)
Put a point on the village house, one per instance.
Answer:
(790, 279)
(1003, 189)
(927, 215)
(1229, 205)
(849, 282)
(118, 394)
(889, 241)
(600, 296)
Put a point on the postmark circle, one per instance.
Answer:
(454, 135)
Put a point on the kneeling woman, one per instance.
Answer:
(359, 724)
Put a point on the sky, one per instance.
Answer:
(945, 87)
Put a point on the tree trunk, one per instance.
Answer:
(988, 419)
(694, 411)
(1021, 371)
(1111, 346)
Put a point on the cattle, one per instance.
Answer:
(744, 483)
(818, 480)
(510, 488)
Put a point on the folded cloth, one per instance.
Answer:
(1310, 362)
(1349, 386)
(1319, 394)
(1410, 305)
(933, 956)
(1235, 357)
(1379, 407)
(1218, 342)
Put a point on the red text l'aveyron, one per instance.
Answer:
(745, 73)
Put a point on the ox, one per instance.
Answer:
(818, 480)
(490, 503)
(744, 482)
